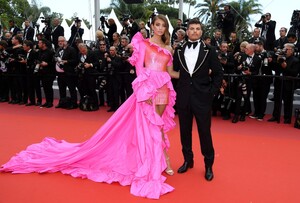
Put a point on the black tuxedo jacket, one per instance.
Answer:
(57, 32)
(31, 59)
(70, 55)
(201, 85)
(93, 59)
(28, 34)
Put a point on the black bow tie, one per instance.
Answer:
(189, 44)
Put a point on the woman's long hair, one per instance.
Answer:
(166, 37)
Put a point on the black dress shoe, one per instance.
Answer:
(185, 166)
(44, 105)
(235, 119)
(209, 175)
(273, 119)
(242, 118)
(49, 105)
(38, 104)
(29, 104)
(4, 100)
(73, 106)
(287, 121)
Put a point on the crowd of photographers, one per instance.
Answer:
(252, 66)
(101, 73)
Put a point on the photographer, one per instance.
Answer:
(4, 97)
(250, 64)
(33, 81)
(288, 66)
(261, 87)
(28, 31)
(66, 61)
(111, 25)
(87, 70)
(174, 33)
(226, 58)
(46, 70)
(180, 38)
(113, 64)
(17, 72)
(13, 29)
(47, 29)
(226, 19)
(267, 30)
(76, 33)
(57, 31)
(216, 40)
(102, 69)
(256, 37)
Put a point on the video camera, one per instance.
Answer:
(77, 20)
(46, 20)
(281, 56)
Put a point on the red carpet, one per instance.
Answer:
(255, 161)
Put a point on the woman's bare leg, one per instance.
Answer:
(160, 110)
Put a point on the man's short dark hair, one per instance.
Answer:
(46, 42)
(292, 35)
(18, 38)
(227, 5)
(194, 21)
(259, 42)
(28, 43)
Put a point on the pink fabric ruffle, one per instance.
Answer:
(127, 149)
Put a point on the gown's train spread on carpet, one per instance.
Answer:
(128, 148)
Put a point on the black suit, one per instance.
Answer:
(269, 28)
(57, 32)
(28, 34)
(14, 30)
(87, 81)
(47, 73)
(194, 98)
(33, 80)
(68, 77)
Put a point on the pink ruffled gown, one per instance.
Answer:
(128, 148)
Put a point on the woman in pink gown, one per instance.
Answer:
(130, 148)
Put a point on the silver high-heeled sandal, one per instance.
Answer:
(169, 170)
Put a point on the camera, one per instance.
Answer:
(281, 56)
(20, 57)
(110, 69)
(59, 62)
(220, 16)
(46, 20)
(245, 66)
(102, 82)
(102, 19)
(37, 66)
(222, 56)
(263, 16)
(77, 20)
(80, 69)
(125, 54)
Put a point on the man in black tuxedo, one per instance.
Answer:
(57, 31)
(66, 61)
(200, 78)
(87, 70)
(33, 85)
(76, 33)
(13, 29)
(267, 30)
(28, 31)
(46, 70)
